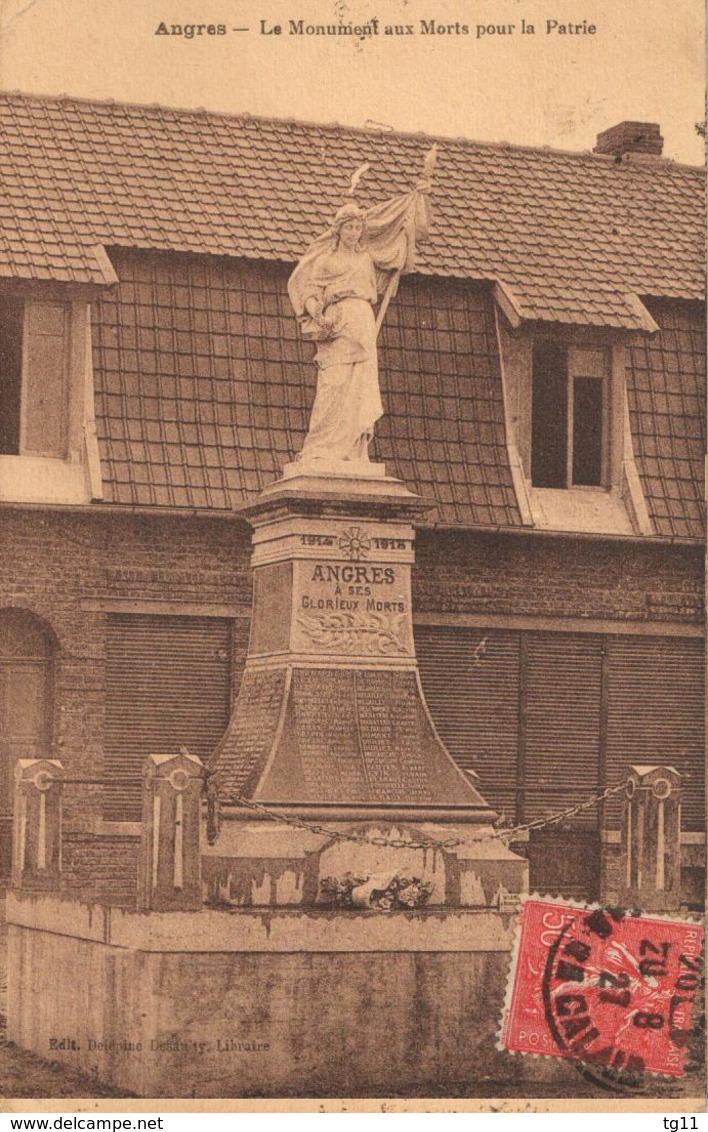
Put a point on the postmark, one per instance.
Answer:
(604, 986)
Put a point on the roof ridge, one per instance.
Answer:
(245, 115)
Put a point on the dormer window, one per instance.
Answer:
(48, 448)
(570, 408)
(568, 429)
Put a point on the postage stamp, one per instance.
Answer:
(604, 986)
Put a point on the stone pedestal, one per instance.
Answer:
(651, 839)
(247, 1003)
(331, 725)
(326, 473)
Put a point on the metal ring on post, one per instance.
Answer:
(179, 780)
(43, 780)
(630, 788)
(661, 789)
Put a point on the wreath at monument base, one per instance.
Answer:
(387, 894)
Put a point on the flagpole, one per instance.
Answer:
(391, 288)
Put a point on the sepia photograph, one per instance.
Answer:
(352, 521)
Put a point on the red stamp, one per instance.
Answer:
(604, 986)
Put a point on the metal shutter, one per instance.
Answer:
(655, 714)
(561, 704)
(565, 862)
(168, 685)
(471, 682)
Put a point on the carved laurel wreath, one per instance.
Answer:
(356, 633)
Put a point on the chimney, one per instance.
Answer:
(631, 137)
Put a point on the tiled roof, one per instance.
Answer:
(666, 387)
(203, 392)
(203, 388)
(573, 237)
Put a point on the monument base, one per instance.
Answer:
(331, 728)
(262, 1004)
(358, 469)
(346, 478)
(262, 864)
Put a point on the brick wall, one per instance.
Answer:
(57, 565)
(54, 564)
(477, 573)
(103, 869)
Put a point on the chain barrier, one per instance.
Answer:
(509, 834)
(494, 834)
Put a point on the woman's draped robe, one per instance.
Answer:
(348, 400)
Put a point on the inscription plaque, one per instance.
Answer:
(391, 736)
(353, 608)
(326, 724)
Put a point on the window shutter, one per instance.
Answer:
(11, 322)
(471, 682)
(655, 714)
(168, 685)
(562, 694)
(45, 379)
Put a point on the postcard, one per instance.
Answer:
(352, 427)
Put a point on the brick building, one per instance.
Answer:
(543, 377)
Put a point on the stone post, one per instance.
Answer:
(36, 848)
(169, 866)
(651, 839)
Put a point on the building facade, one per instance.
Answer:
(543, 375)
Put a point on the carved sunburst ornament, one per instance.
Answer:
(354, 543)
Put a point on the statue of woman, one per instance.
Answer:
(333, 290)
(334, 294)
